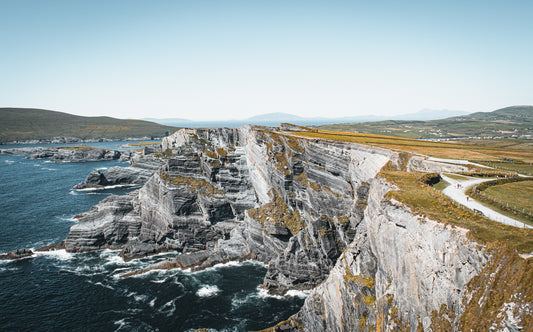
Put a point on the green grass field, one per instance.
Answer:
(517, 196)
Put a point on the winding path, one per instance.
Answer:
(458, 194)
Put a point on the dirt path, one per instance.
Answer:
(456, 191)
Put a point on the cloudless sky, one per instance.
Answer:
(229, 59)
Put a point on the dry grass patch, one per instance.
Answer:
(434, 149)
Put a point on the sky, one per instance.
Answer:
(220, 60)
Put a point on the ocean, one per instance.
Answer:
(82, 291)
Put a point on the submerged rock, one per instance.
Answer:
(17, 254)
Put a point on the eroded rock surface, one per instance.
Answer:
(315, 211)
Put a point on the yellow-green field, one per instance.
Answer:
(434, 149)
(515, 196)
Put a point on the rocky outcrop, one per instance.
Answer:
(66, 154)
(315, 211)
(136, 174)
(17, 254)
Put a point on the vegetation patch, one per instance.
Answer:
(199, 185)
(145, 143)
(442, 320)
(512, 196)
(507, 279)
(30, 124)
(430, 148)
(80, 147)
(360, 279)
(424, 200)
(277, 212)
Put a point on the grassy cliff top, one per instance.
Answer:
(29, 124)
(425, 200)
(519, 151)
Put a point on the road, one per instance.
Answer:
(458, 194)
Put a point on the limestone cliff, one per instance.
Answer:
(317, 212)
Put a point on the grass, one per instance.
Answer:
(441, 185)
(424, 200)
(19, 124)
(145, 143)
(80, 147)
(433, 149)
(513, 199)
(522, 168)
(519, 193)
(277, 212)
(507, 279)
(199, 185)
(456, 176)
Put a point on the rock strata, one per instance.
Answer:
(65, 154)
(315, 211)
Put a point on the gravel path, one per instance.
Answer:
(456, 191)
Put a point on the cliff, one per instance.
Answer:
(320, 214)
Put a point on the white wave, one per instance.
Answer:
(261, 292)
(152, 303)
(208, 290)
(102, 285)
(48, 169)
(121, 323)
(138, 297)
(298, 293)
(169, 308)
(228, 264)
(73, 192)
(9, 161)
(238, 301)
(107, 187)
(71, 219)
(112, 257)
(87, 270)
(61, 254)
(102, 168)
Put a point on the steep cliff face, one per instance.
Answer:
(315, 211)
(400, 269)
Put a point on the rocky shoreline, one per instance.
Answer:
(316, 212)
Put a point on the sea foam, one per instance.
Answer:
(208, 291)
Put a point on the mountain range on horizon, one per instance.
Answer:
(23, 124)
(275, 118)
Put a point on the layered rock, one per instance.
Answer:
(399, 270)
(136, 174)
(315, 211)
(65, 154)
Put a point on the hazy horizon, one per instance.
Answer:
(211, 60)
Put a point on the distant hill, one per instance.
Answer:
(274, 119)
(514, 121)
(22, 124)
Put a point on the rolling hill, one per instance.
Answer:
(514, 121)
(23, 124)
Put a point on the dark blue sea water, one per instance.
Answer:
(82, 292)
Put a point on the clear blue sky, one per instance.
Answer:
(211, 60)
